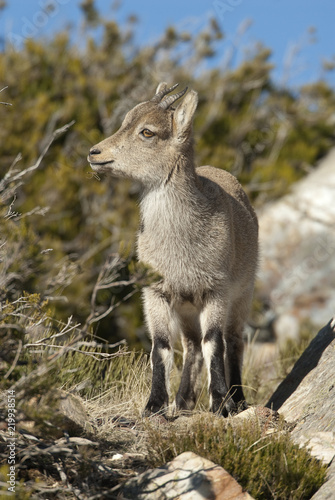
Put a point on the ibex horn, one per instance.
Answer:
(171, 99)
(159, 96)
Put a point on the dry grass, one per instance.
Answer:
(114, 387)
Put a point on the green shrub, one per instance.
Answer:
(266, 465)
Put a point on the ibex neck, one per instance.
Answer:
(180, 177)
(181, 171)
(177, 201)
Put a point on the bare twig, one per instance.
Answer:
(13, 176)
(106, 280)
(35, 211)
(54, 136)
(13, 326)
(95, 317)
(61, 473)
(5, 103)
(65, 330)
(10, 212)
(96, 355)
(17, 355)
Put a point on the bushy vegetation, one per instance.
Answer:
(267, 136)
(68, 278)
(267, 465)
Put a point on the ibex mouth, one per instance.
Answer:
(99, 166)
(94, 162)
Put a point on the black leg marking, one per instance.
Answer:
(217, 380)
(234, 356)
(159, 398)
(186, 397)
(187, 394)
(236, 390)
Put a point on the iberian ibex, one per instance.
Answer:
(200, 233)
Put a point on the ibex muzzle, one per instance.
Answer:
(200, 233)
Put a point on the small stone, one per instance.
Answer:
(266, 418)
(187, 477)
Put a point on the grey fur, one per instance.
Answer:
(200, 233)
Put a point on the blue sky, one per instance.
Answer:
(282, 25)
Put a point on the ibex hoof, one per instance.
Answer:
(154, 408)
(230, 407)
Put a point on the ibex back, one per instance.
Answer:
(200, 233)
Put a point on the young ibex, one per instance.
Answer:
(200, 233)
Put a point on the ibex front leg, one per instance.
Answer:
(157, 316)
(213, 323)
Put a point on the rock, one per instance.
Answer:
(187, 477)
(326, 492)
(74, 413)
(297, 237)
(307, 395)
(261, 416)
(306, 399)
(79, 441)
(63, 411)
(320, 444)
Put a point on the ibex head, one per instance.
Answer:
(150, 140)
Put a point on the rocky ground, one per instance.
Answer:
(74, 460)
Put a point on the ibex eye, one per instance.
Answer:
(147, 133)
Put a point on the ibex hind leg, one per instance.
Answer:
(191, 375)
(213, 321)
(234, 349)
(233, 363)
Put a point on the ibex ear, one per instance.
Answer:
(161, 87)
(183, 115)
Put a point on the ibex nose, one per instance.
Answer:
(95, 151)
